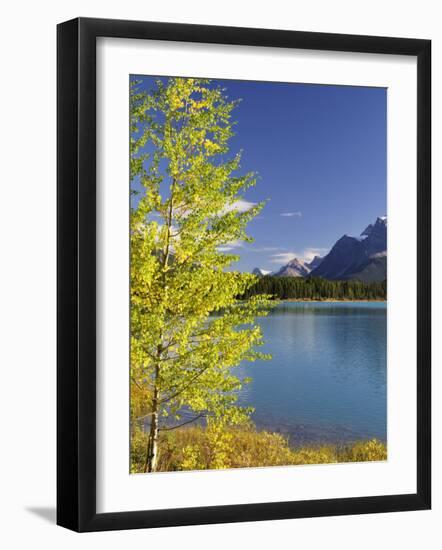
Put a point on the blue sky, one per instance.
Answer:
(320, 152)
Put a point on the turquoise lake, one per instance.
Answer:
(326, 381)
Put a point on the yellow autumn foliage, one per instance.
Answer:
(199, 448)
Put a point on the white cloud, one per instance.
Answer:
(231, 246)
(240, 205)
(250, 248)
(310, 253)
(306, 255)
(297, 214)
(266, 249)
(282, 257)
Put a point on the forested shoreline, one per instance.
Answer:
(298, 288)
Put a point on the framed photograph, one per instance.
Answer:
(243, 274)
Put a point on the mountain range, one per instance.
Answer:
(363, 258)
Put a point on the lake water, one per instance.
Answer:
(326, 381)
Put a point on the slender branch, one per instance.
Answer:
(183, 423)
(136, 383)
(144, 416)
(164, 348)
(184, 388)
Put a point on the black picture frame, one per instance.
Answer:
(76, 274)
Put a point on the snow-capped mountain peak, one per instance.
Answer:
(361, 257)
(261, 272)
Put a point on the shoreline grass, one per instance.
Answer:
(329, 300)
(199, 448)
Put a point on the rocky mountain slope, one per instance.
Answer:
(363, 258)
(295, 268)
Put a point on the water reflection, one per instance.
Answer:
(327, 378)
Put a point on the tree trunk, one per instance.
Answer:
(152, 441)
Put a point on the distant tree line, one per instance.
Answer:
(284, 288)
